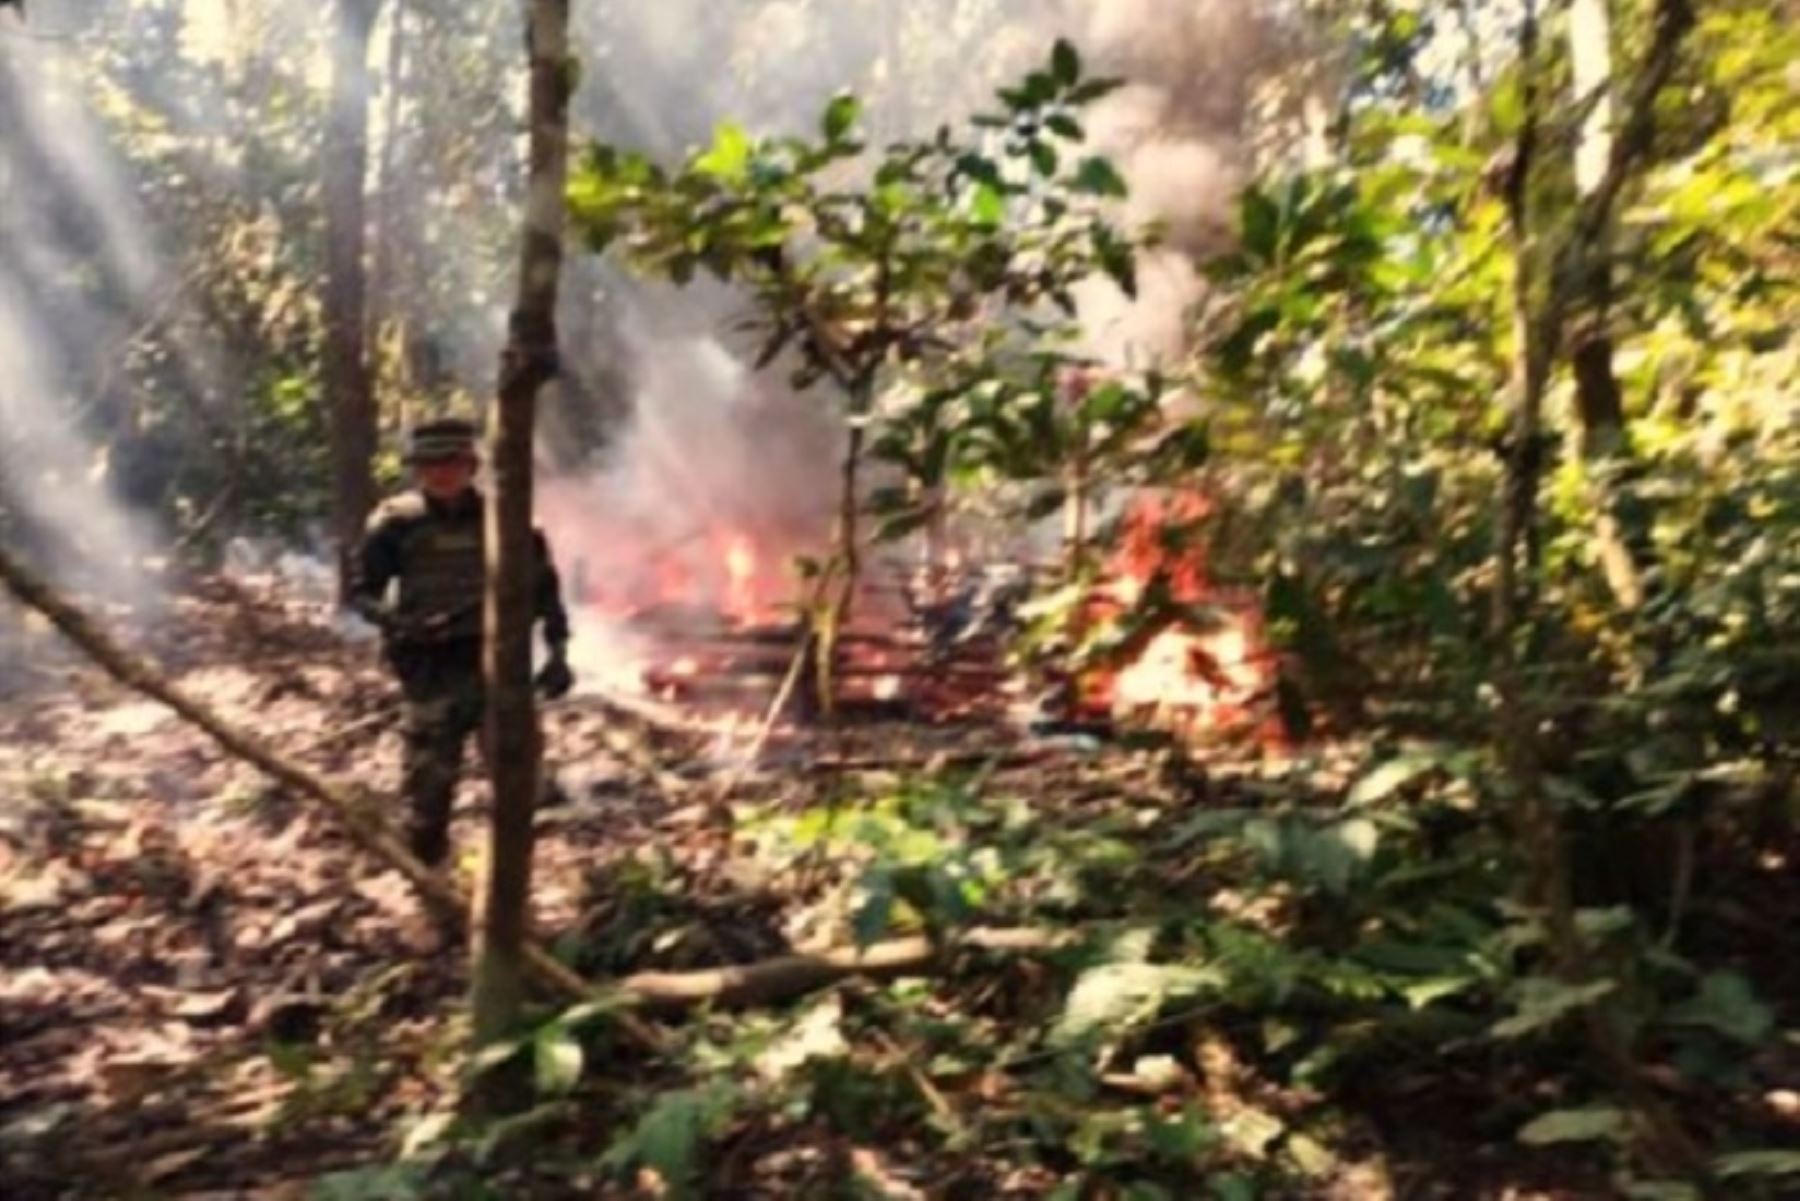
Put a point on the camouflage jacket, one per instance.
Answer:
(435, 552)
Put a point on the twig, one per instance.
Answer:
(788, 976)
(782, 696)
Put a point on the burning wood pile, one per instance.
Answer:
(711, 624)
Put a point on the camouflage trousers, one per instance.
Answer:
(444, 706)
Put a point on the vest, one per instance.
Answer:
(442, 563)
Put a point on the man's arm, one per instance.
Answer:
(556, 679)
(377, 564)
(547, 603)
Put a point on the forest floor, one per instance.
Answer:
(207, 991)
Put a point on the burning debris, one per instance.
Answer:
(712, 624)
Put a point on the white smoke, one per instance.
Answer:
(55, 488)
(711, 445)
(1181, 132)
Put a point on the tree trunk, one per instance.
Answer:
(1599, 402)
(1538, 824)
(837, 592)
(1535, 823)
(1075, 516)
(349, 394)
(385, 255)
(527, 364)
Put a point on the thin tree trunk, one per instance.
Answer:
(1075, 516)
(527, 364)
(1582, 290)
(1537, 315)
(387, 187)
(349, 394)
(838, 591)
(1599, 401)
(1514, 592)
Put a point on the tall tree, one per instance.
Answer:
(348, 382)
(1600, 407)
(528, 362)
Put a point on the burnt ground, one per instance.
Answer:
(207, 991)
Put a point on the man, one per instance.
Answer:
(430, 542)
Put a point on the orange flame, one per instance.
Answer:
(1182, 678)
(740, 571)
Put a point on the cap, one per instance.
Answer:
(449, 438)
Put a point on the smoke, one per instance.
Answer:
(1181, 132)
(76, 268)
(695, 441)
(708, 444)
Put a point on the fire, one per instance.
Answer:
(704, 616)
(1178, 675)
(740, 571)
(1192, 681)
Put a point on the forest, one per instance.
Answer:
(1098, 600)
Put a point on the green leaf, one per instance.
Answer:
(1094, 89)
(1391, 777)
(729, 158)
(1727, 1003)
(1145, 1191)
(1261, 224)
(556, 1060)
(875, 913)
(1116, 997)
(1337, 853)
(989, 206)
(1098, 177)
(1252, 1132)
(1421, 993)
(1757, 1163)
(1543, 1002)
(841, 115)
(1116, 259)
(1065, 63)
(1065, 126)
(1233, 1187)
(1044, 158)
(669, 1137)
(1597, 1124)
(390, 1182)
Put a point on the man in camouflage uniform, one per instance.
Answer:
(428, 545)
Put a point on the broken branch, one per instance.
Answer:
(789, 976)
(364, 826)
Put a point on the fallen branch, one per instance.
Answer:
(789, 976)
(756, 983)
(358, 818)
(767, 728)
(939, 761)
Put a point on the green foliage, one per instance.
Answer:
(672, 1134)
(930, 283)
(1114, 998)
(1601, 1124)
(396, 1182)
(851, 276)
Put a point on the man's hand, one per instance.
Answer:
(556, 678)
(377, 614)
